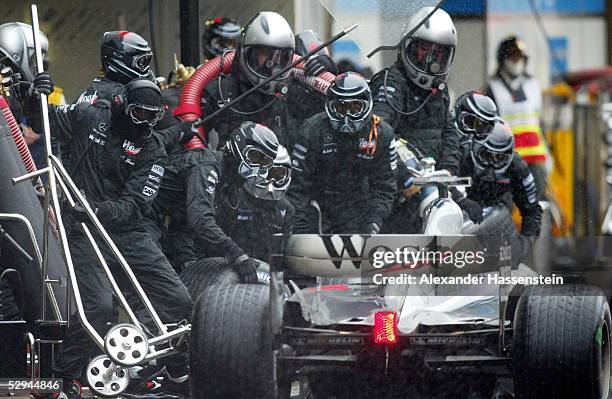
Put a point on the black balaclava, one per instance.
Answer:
(148, 96)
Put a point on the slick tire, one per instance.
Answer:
(206, 272)
(561, 343)
(231, 343)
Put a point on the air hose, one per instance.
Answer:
(190, 108)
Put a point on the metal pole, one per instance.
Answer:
(29, 176)
(47, 133)
(101, 259)
(51, 192)
(190, 32)
(108, 240)
(107, 270)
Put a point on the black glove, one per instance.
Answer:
(43, 84)
(79, 212)
(472, 208)
(246, 268)
(187, 131)
(318, 64)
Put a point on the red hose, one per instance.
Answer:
(320, 83)
(22, 147)
(190, 108)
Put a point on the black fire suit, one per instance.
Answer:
(430, 129)
(277, 112)
(351, 177)
(210, 214)
(120, 179)
(516, 185)
(101, 88)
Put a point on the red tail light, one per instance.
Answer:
(385, 328)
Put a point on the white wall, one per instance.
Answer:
(469, 69)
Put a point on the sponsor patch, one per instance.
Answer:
(155, 178)
(366, 145)
(157, 169)
(148, 191)
(96, 139)
(244, 218)
(130, 149)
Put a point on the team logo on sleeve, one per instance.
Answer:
(153, 181)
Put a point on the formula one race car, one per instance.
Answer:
(412, 316)
(329, 316)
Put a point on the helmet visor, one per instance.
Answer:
(480, 127)
(223, 43)
(495, 159)
(145, 113)
(279, 174)
(256, 157)
(352, 108)
(266, 61)
(428, 57)
(142, 62)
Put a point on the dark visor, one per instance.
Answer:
(429, 57)
(266, 61)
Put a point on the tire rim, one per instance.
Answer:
(604, 376)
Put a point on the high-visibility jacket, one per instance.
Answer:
(521, 109)
(57, 97)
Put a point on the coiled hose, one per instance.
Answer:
(190, 109)
(24, 153)
(22, 147)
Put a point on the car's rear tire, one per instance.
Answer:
(231, 343)
(206, 272)
(561, 343)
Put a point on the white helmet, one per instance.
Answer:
(428, 53)
(266, 47)
(17, 41)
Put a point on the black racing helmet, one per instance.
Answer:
(496, 150)
(220, 34)
(475, 114)
(125, 56)
(142, 102)
(348, 103)
(261, 161)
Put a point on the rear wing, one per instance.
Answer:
(402, 265)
